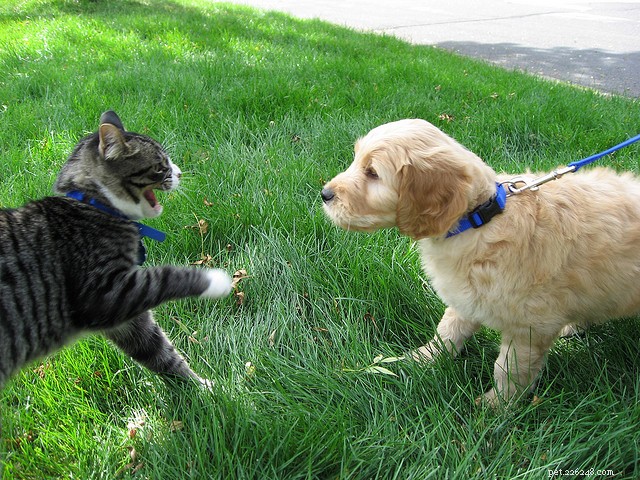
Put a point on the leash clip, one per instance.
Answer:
(512, 185)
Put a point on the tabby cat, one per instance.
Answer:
(70, 264)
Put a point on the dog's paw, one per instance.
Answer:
(220, 284)
(490, 399)
(497, 399)
(426, 353)
(572, 330)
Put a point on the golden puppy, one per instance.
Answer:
(567, 253)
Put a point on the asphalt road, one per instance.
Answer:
(593, 44)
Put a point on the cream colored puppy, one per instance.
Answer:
(567, 253)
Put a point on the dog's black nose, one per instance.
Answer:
(327, 194)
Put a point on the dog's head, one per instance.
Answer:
(411, 175)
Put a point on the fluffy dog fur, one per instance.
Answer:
(568, 253)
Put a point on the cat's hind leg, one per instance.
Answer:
(143, 339)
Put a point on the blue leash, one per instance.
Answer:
(572, 167)
(598, 156)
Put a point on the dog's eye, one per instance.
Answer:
(371, 173)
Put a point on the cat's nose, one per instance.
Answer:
(327, 195)
(175, 170)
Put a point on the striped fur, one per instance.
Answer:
(67, 268)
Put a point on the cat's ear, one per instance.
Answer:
(112, 142)
(111, 117)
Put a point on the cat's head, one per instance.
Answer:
(119, 168)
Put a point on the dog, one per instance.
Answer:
(543, 261)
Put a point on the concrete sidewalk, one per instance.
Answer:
(594, 44)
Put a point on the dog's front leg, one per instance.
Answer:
(450, 336)
(517, 367)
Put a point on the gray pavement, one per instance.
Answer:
(593, 44)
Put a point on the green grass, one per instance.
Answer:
(259, 110)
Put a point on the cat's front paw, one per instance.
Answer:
(220, 284)
(205, 384)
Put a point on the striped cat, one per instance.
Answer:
(70, 264)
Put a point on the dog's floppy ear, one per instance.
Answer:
(432, 196)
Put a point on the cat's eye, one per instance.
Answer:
(371, 172)
(160, 170)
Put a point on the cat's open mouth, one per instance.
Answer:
(150, 197)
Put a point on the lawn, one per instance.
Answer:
(260, 110)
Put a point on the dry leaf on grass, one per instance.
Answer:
(133, 466)
(536, 401)
(239, 298)
(238, 276)
(205, 259)
(202, 226)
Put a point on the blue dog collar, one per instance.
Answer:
(482, 214)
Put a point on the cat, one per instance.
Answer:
(70, 264)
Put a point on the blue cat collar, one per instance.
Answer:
(150, 232)
(143, 230)
(482, 214)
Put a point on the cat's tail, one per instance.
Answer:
(220, 284)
